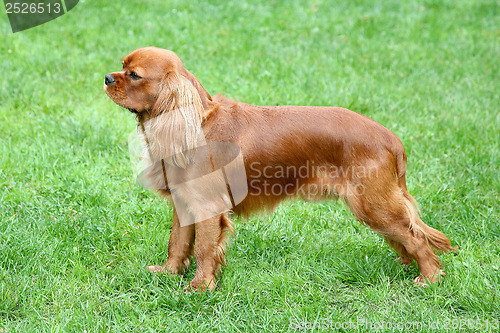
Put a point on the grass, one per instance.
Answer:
(76, 233)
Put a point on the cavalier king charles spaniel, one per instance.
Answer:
(212, 156)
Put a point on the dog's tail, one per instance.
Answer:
(434, 237)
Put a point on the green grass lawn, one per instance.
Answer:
(76, 232)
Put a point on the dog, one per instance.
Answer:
(285, 152)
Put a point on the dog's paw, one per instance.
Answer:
(424, 281)
(157, 269)
(171, 267)
(404, 261)
(165, 269)
(203, 285)
(420, 281)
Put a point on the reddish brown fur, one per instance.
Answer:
(273, 138)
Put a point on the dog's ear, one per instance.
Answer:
(204, 95)
(174, 131)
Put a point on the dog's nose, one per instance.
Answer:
(109, 79)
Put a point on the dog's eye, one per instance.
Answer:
(134, 76)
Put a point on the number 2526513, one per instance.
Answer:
(32, 8)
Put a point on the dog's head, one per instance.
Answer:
(166, 97)
(153, 80)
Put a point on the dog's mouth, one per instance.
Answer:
(119, 98)
(134, 111)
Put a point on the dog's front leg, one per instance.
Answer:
(207, 253)
(180, 248)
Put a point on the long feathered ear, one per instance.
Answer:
(204, 95)
(174, 131)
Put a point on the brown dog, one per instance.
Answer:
(288, 151)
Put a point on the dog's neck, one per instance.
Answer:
(144, 116)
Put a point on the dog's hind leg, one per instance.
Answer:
(405, 258)
(388, 209)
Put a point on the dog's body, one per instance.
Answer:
(315, 140)
(288, 151)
